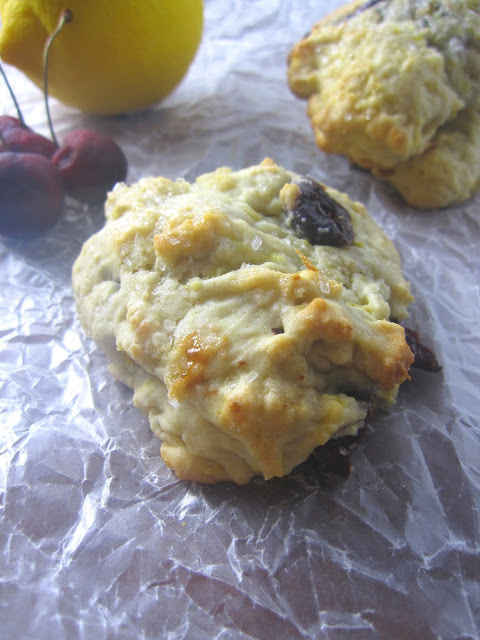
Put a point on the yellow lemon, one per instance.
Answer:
(114, 57)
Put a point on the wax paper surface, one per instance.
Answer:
(98, 539)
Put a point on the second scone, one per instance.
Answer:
(249, 311)
(394, 85)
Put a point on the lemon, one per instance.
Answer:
(116, 56)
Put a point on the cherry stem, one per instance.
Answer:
(17, 106)
(65, 17)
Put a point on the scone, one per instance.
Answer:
(394, 85)
(250, 313)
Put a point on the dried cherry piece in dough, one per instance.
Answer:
(333, 460)
(314, 215)
(424, 357)
(334, 457)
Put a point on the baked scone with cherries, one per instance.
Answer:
(394, 85)
(250, 312)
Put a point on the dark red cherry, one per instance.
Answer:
(90, 164)
(25, 140)
(9, 122)
(31, 193)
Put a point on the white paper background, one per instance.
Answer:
(99, 540)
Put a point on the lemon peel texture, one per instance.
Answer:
(115, 57)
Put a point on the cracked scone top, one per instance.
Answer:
(246, 346)
(395, 86)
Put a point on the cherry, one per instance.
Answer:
(27, 141)
(6, 123)
(90, 164)
(9, 122)
(32, 192)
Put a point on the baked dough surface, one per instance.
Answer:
(246, 346)
(394, 85)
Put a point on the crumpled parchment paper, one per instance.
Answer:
(100, 540)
